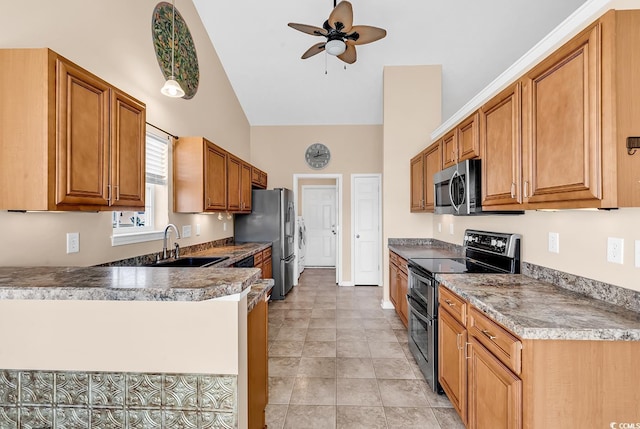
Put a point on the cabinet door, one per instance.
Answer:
(215, 178)
(495, 393)
(501, 149)
(393, 285)
(245, 187)
(469, 138)
(449, 145)
(417, 183)
(267, 267)
(82, 103)
(452, 365)
(403, 305)
(127, 151)
(234, 177)
(258, 370)
(432, 163)
(564, 110)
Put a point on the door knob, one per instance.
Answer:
(357, 235)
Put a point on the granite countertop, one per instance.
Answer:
(534, 309)
(235, 252)
(135, 283)
(258, 292)
(414, 251)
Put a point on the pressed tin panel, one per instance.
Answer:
(50, 399)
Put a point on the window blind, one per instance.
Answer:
(156, 159)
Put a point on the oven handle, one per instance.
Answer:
(417, 313)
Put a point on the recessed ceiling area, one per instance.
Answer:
(474, 41)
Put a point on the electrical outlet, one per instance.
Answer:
(73, 242)
(439, 227)
(554, 242)
(186, 231)
(224, 226)
(615, 250)
(451, 228)
(197, 229)
(637, 253)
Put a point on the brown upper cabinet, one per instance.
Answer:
(199, 176)
(239, 185)
(423, 167)
(463, 142)
(500, 137)
(207, 178)
(258, 178)
(69, 140)
(567, 149)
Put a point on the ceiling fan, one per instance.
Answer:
(342, 36)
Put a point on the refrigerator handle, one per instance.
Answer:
(289, 258)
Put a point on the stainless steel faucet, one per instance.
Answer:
(164, 241)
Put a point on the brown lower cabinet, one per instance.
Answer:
(263, 261)
(398, 285)
(496, 380)
(258, 364)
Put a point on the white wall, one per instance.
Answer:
(112, 39)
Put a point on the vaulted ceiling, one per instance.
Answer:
(473, 40)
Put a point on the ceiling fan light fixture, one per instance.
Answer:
(172, 88)
(335, 47)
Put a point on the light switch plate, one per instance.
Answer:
(554, 242)
(73, 242)
(186, 231)
(197, 229)
(451, 228)
(615, 250)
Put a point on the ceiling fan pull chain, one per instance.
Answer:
(325, 63)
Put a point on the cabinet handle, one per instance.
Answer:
(117, 192)
(449, 303)
(513, 189)
(488, 334)
(208, 202)
(466, 348)
(526, 189)
(109, 194)
(458, 344)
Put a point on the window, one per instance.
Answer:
(137, 226)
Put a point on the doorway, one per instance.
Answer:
(366, 213)
(319, 213)
(334, 180)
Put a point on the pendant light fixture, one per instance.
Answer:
(171, 87)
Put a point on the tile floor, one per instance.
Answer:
(338, 360)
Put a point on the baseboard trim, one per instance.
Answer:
(387, 305)
(346, 284)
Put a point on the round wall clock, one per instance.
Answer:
(186, 70)
(317, 156)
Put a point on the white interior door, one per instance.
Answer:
(319, 212)
(366, 230)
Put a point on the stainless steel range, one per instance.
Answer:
(485, 252)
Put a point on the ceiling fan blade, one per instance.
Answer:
(341, 16)
(315, 49)
(349, 56)
(366, 34)
(309, 29)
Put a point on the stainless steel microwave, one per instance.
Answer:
(457, 189)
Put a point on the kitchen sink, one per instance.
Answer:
(190, 262)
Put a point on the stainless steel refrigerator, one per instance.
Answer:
(272, 219)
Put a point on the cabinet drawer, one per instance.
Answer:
(393, 258)
(266, 253)
(500, 342)
(455, 305)
(257, 259)
(402, 265)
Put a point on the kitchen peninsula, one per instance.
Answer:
(132, 346)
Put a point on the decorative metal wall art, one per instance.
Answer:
(186, 70)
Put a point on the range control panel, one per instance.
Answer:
(503, 244)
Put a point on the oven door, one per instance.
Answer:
(422, 341)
